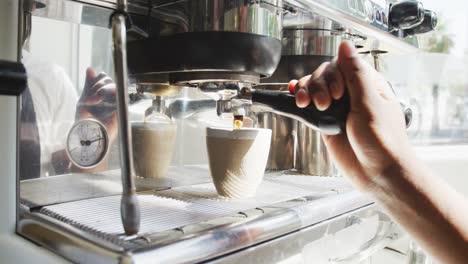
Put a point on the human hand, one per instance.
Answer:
(97, 101)
(375, 139)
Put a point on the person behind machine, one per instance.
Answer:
(51, 104)
(375, 153)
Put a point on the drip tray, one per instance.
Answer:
(182, 206)
(72, 187)
(192, 223)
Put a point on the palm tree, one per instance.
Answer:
(439, 40)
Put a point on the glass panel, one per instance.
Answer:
(69, 126)
(435, 82)
(70, 74)
(63, 75)
(352, 4)
(360, 6)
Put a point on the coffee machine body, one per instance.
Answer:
(180, 60)
(194, 41)
(304, 50)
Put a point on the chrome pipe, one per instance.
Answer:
(21, 31)
(327, 9)
(122, 5)
(129, 206)
(312, 157)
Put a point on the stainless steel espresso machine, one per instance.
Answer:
(239, 55)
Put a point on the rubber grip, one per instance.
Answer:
(329, 122)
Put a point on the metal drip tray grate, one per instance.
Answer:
(73, 187)
(181, 206)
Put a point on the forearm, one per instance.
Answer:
(432, 212)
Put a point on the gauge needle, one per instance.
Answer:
(89, 142)
(97, 139)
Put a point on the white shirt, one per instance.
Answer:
(54, 99)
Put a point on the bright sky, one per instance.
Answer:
(454, 12)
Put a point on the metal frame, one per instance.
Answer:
(218, 237)
(376, 36)
(379, 39)
(301, 242)
(322, 215)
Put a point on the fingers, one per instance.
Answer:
(356, 74)
(90, 73)
(105, 87)
(314, 88)
(101, 80)
(90, 76)
(318, 87)
(331, 80)
(302, 95)
(107, 92)
(350, 68)
(335, 81)
(97, 84)
(292, 86)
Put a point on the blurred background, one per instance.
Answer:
(435, 81)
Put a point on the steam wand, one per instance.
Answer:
(129, 206)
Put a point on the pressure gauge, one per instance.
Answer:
(87, 143)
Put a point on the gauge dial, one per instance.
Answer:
(87, 143)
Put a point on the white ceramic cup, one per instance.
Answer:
(153, 147)
(237, 159)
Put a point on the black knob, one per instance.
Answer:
(406, 15)
(13, 78)
(408, 113)
(429, 24)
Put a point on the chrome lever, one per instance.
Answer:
(129, 205)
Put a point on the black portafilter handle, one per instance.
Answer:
(329, 122)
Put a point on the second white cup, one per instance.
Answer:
(153, 146)
(237, 159)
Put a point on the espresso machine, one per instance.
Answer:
(241, 54)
